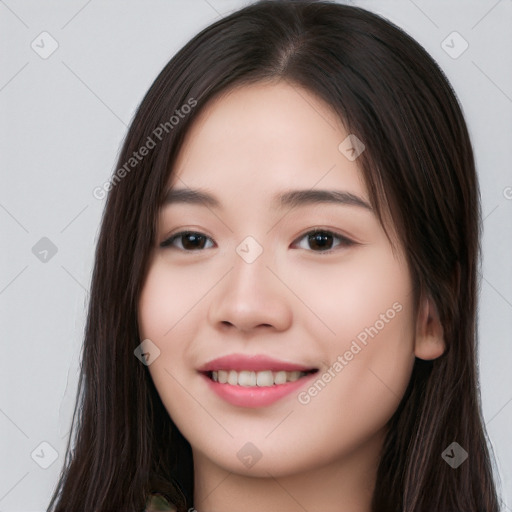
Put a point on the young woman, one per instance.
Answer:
(283, 305)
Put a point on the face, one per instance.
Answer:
(301, 307)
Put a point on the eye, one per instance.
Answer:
(321, 240)
(188, 241)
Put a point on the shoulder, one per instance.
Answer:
(157, 503)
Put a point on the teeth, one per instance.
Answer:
(280, 377)
(265, 378)
(247, 378)
(233, 378)
(292, 376)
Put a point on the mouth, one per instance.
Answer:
(254, 381)
(265, 378)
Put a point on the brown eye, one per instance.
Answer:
(323, 240)
(186, 241)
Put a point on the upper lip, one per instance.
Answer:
(239, 362)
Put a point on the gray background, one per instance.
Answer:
(63, 118)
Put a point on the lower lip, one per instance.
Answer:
(255, 396)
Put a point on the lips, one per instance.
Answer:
(254, 381)
(254, 363)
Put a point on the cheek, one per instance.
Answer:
(369, 357)
(154, 303)
(169, 305)
(360, 390)
(166, 299)
(351, 294)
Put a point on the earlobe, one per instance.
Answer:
(429, 343)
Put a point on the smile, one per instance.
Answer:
(248, 378)
(254, 381)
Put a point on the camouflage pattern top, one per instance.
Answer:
(157, 503)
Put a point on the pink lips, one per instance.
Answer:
(256, 363)
(253, 396)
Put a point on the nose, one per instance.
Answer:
(250, 298)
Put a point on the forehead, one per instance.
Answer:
(257, 138)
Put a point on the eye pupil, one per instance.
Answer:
(195, 240)
(320, 240)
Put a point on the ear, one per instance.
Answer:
(429, 343)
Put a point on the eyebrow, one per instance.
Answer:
(290, 199)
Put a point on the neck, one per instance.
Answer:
(345, 484)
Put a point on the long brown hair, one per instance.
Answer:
(418, 161)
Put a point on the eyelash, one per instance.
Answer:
(344, 241)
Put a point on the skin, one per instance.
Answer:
(294, 303)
